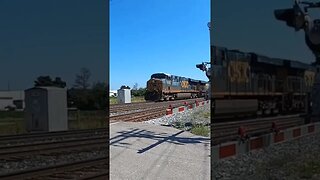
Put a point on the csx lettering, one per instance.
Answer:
(237, 71)
(309, 78)
(184, 84)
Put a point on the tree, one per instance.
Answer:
(82, 79)
(43, 81)
(99, 91)
(124, 87)
(59, 83)
(47, 81)
(139, 92)
(135, 86)
(94, 98)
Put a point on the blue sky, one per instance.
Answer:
(157, 36)
(55, 38)
(251, 26)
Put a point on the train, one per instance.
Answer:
(166, 87)
(247, 83)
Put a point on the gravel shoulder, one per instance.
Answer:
(297, 159)
(187, 119)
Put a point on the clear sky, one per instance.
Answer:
(149, 36)
(54, 38)
(251, 26)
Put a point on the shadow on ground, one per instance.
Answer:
(159, 137)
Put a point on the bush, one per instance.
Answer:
(139, 92)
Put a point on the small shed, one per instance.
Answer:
(46, 109)
(124, 96)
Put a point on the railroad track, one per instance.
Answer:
(139, 115)
(87, 169)
(120, 108)
(19, 152)
(50, 136)
(114, 108)
(227, 131)
(148, 112)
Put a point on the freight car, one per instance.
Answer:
(164, 87)
(250, 83)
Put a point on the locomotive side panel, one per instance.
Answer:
(168, 87)
(275, 84)
(238, 73)
(219, 71)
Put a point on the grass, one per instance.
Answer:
(113, 100)
(200, 130)
(87, 119)
(138, 99)
(304, 169)
(308, 168)
(13, 122)
(11, 114)
(13, 127)
(206, 114)
(87, 124)
(196, 129)
(198, 124)
(202, 114)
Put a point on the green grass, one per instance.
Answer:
(11, 114)
(200, 130)
(13, 122)
(13, 127)
(196, 129)
(138, 99)
(87, 119)
(206, 115)
(203, 114)
(308, 168)
(113, 100)
(87, 124)
(304, 169)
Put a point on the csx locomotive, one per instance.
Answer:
(251, 83)
(164, 87)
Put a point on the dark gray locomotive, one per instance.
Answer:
(249, 83)
(165, 87)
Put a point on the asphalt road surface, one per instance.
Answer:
(141, 151)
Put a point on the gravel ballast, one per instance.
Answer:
(198, 115)
(296, 159)
(38, 161)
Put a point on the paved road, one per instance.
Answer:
(142, 151)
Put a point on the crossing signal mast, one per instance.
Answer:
(298, 18)
(204, 67)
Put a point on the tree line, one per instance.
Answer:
(135, 91)
(82, 94)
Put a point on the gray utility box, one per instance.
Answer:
(124, 96)
(46, 109)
